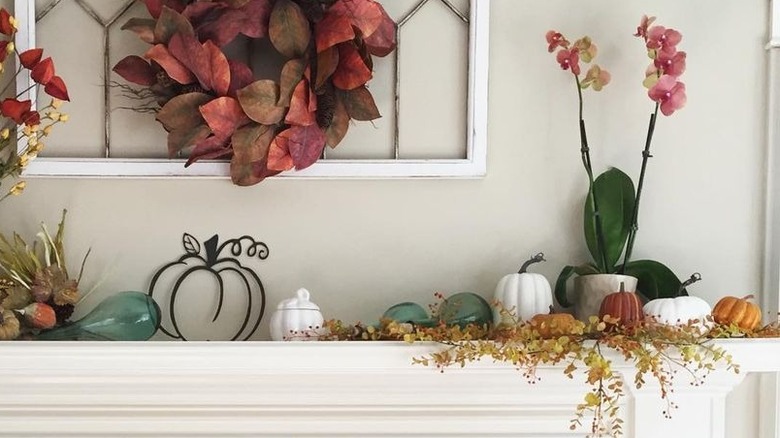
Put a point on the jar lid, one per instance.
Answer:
(300, 302)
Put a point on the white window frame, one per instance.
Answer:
(473, 166)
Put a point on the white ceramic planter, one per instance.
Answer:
(590, 290)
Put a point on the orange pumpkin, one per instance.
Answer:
(625, 306)
(739, 311)
(554, 325)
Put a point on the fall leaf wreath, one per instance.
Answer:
(214, 106)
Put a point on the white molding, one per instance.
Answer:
(769, 390)
(473, 166)
(359, 389)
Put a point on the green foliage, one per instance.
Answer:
(655, 279)
(615, 195)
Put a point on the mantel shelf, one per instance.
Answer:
(325, 389)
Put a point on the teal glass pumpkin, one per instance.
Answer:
(126, 316)
(465, 308)
(409, 313)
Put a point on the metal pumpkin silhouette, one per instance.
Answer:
(184, 287)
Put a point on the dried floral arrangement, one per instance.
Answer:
(657, 350)
(214, 106)
(36, 290)
(20, 123)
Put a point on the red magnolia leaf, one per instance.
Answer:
(31, 118)
(305, 145)
(221, 24)
(194, 56)
(56, 88)
(338, 126)
(183, 111)
(360, 104)
(15, 109)
(383, 41)
(251, 143)
(300, 113)
(292, 73)
(289, 29)
(143, 27)
(240, 76)
(279, 158)
(169, 24)
(212, 148)
(223, 115)
(327, 62)
(250, 174)
(220, 69)
(184, 138)
(259, 102)
(333, 29)
(366, 15)
(155, 6)
(134, 69)
(175, 69)
(351, 72)
(5, 23)
(43, 71)
(30, 58)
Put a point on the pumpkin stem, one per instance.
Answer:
(211, 250)
(535, 259)
(552, 310)
(695, 277)
(749, 297)
(622, 287)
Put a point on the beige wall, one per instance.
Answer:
(361, 246)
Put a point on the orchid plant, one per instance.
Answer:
(21, 124)
(612, 204)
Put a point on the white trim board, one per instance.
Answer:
(473, 166)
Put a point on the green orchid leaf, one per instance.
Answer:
(563, 278)
(616, 196)
(655, 279)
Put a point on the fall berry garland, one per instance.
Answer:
(215, 106)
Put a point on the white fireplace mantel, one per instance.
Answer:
(321, 390)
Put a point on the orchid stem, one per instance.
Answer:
(635, 215)
(585, 151)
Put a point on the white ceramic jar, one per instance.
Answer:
(297, 319)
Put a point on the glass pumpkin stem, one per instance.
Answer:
(535, 259)
(695, 277)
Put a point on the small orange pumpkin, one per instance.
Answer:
(553, 325)
(739, 311)
(625, 306)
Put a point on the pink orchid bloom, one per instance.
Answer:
(596, 77)
(670, 93)
(641, 30)
(672, 64)
(555, 40)
(569, 59)
(663, 39)
(587, 49)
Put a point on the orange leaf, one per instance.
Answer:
(183, 138)
(143, 27)
(289, 29)
(223, 115)
(292, 72)
(220, 69)
(351, 72)
(366, 15)
(183, 111)
(279, 154)
(259, 102)
(169, 24)
(300, 113)
(338, 126)
(333, 29)
(175, 69)
(327, 62)
(383, 41)
(360, 104)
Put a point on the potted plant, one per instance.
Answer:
(611, 208)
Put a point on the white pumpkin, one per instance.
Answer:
(522, 295)
(678, 310)
(297, 319)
